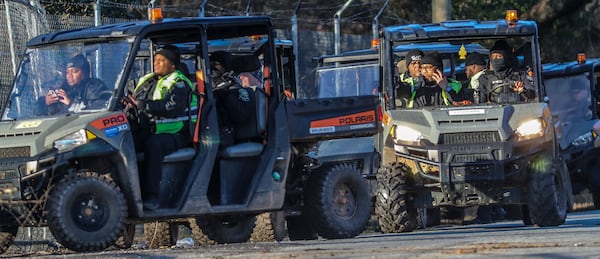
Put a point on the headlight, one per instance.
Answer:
(530, 129)
(407, 134)
(584, 139)
(73, 140)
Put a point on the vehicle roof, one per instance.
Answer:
(569, 68)
(128, 29)
(401, 50)
(458, 29)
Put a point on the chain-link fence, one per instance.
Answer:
(21, 20)
(25, 20)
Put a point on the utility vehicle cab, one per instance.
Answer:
(446, 156)
(84, 160)
(357, 72)
(573, 92)
(79, 174)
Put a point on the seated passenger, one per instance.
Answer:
(77, 92)
(406, 82)
(432, 90)
(505, 82)
(475, 65)
(234, 102)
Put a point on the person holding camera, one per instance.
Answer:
(78, 91)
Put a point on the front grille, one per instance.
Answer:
(9, 174)
(469, 137)
(466, 158)
(471, 121)
(470, 158)
(472, 173)
(20, 134)
(12, 152)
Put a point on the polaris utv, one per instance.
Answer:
(573, 93)
(78, 172)
(357, 73)
(458, 157)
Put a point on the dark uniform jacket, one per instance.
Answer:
(87, 94)
(496, 86)
(235, 105)
(429, 95)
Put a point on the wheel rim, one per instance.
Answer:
(344, 201)
(89, 212)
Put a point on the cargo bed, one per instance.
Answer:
(332, 118)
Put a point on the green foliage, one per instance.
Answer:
(566, 24)
(563, 30)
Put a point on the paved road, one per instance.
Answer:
(578, 238)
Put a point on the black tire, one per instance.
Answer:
(299, 228)
(527, 220)
(126, 238)
(338, 202)
(428, 217)
(199, 236)
(7, 237)
(270, 227)
(596, 199)
(514, 211)
(161, 234)
(227, 229)
(395, 215)
(86, 212)
(547, 199)
(452, 215)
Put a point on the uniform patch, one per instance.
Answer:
(243, 95)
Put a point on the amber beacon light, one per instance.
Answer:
(155, 14)
(581, 58)
(374, 43)
(511, 17)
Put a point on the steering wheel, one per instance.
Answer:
(510, 84)
(133, 110)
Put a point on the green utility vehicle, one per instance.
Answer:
(486, 153)
(78, 173)
(356, 73)
(573, 95)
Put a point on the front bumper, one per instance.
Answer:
(469, 174)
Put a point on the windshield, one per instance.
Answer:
(350, 80)
(464, 84)
(66, 78)
(570, 98)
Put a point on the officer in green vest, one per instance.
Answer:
(164, 99)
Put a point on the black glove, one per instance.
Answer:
(142, 105)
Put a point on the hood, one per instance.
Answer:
(29, 138)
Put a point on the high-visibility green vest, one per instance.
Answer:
(451, 83)
(407, 79)
(163, 86)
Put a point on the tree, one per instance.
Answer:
(571, 23)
